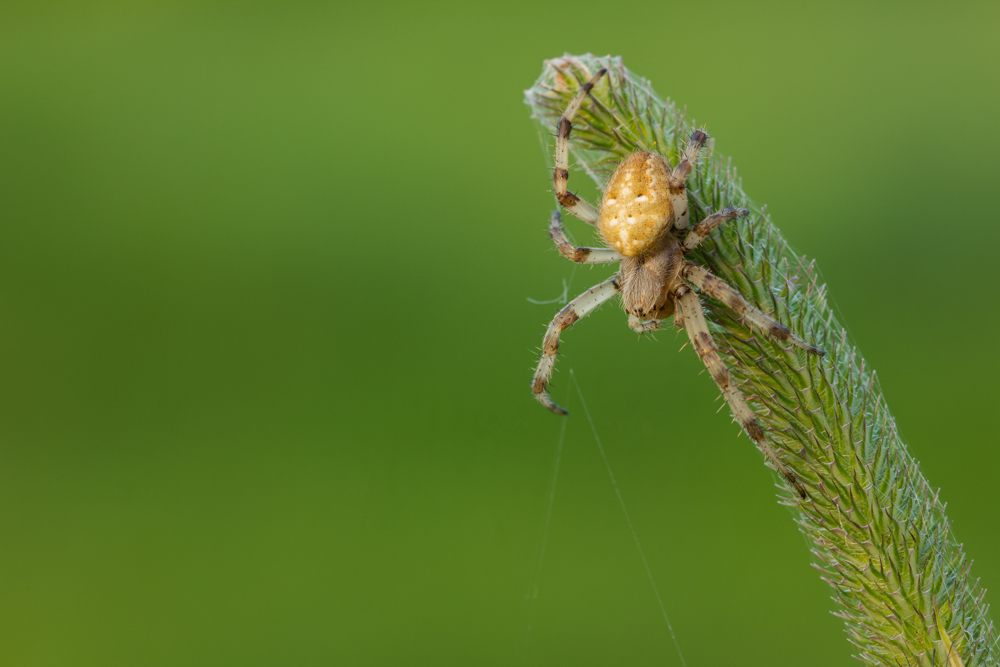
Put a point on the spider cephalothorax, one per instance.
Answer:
(643, 218)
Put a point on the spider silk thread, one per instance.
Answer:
(546, 524)
(628, 519)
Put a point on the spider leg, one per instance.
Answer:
(560, 175)
(714, 287)
(688, 303)
(701, 231)
(678, 191)
(579, 307)
(580, 255)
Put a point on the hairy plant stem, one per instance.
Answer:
(878, 530)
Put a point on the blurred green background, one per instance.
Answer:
(265, 339)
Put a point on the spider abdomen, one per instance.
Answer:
(636, 210)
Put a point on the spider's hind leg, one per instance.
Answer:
(690, 157)
(560, 174)
(678, 190)
(575, 254)
(690, 307)
(579, 307)
(714, 287)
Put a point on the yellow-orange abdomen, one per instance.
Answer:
(636, 210)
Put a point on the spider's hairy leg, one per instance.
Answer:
(684, 167)
(643, 326)
(573, 253)
(701, 231)
(560, 174)
(579, 307)
(701, 339)
(678, 192)
(714, 287)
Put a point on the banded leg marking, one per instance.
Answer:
(701, 339)
(701, 231)
(678, 191)
(560, 175)
(684, 167)
(576, 309)
(717, 289)
(575, 254)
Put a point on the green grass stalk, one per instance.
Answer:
(879, 533)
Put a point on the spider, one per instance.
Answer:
(643, 218)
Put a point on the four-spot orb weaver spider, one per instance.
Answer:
(643, 218)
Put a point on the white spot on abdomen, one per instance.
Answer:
(642, 198)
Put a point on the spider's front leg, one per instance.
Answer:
(560, 174)
(697, 328)
(714, 287)
(575, 254)
(578, 308)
